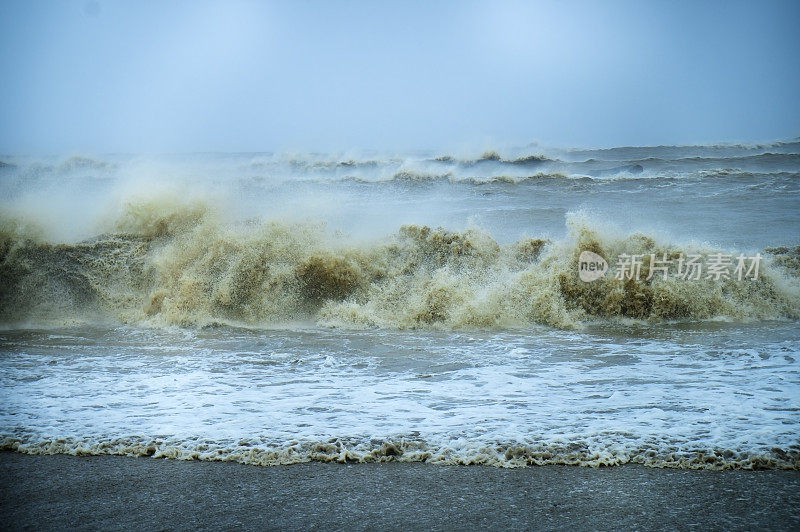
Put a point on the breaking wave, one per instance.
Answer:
(176, 263)
(493, 156)
(411, 177)
(412, 449)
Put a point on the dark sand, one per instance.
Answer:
(107, 492)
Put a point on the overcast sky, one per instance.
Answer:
(255, 76)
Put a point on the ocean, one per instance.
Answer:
(414, 307)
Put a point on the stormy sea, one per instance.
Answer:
(278, 308)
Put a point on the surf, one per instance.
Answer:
(173, 262)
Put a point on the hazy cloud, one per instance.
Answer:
(193, 76)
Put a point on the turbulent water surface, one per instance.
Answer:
(274, 308)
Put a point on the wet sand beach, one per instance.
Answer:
(107, 492)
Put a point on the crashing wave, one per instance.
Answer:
(493, 156)
(169, 263)
(410, 449)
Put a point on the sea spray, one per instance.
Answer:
(170, 261)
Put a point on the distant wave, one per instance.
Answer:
(760, 157)
(790, 158)
(623, 153)
(81, 162)
(171, 263)
(64, 166)
(490, 167)
(413, 177)
(321, 162)
(492, 156)
(738, 173)
(631, 173)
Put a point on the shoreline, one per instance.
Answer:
(112, 492)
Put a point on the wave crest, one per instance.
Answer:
(411, 449)
(176, 263)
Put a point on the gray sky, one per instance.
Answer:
(254, 76)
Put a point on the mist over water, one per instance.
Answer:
(401, 241)
(523, 192)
